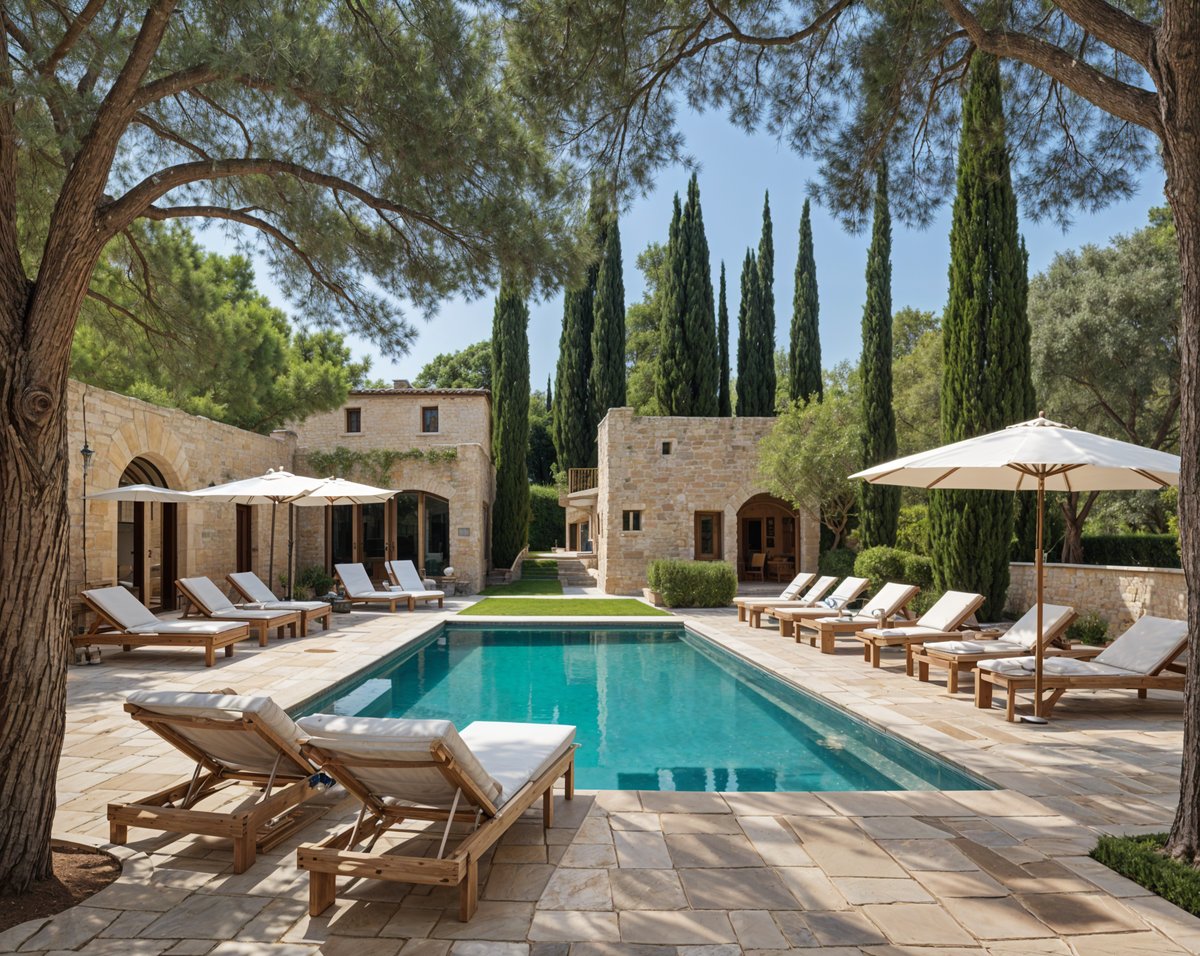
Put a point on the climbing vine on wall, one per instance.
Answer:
(374, 464)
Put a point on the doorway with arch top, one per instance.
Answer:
(148, 540)
(768, 539)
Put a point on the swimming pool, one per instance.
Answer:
(657, 708)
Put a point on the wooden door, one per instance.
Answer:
(244, 548)
(708, 535)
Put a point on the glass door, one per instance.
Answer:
(708, 535)
(373, 540)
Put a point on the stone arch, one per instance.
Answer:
(767, 524)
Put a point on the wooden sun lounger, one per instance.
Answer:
(960, 657)
(251, 587)
(801, 581)
(753, 609)
(1141, 659)
(404, 575)
(200, 593)
(788, 613)
(234, 740)
(122, 620)
(356, 584)
(892, 600)
(458, 777)
(943, 621)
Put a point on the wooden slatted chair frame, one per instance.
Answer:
(256, 828)
(459, 867)
(279, 620)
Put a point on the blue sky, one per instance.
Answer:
(735, 170)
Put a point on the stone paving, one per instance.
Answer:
(702, 874)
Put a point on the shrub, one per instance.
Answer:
(880, 565)
(839, 562)
(314, 580)
(1141, 859)
(546, 517)
(1089, 628)
(1136, 550)
(918, 570)
(913, 532)
(693, 583)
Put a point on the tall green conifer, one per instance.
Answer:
(724, 405)
(804, 363)
(574, 428)
(510, 425)
(672, 389)
(747, 357)
(607, 384)
(764, 335)
(879, 505)
(986, 380)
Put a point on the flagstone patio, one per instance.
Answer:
(973, 872)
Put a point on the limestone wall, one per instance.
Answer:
(712, 466)
(1119, 594)
(391, 418)
(190, 452)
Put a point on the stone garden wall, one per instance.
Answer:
(1120, 595)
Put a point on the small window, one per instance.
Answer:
(429, 419)
(666, 448)
(354, 420)
(631, 521)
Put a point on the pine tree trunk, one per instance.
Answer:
(1072, 547)
(34, 619)
(1177, 69)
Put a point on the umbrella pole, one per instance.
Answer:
(291, 520)
(1039, 650)
(271, 559)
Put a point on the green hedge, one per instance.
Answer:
(1140, 858)
(1089, 628)
(547, 518)
(839, 562)
(693, 583)
(918, 570)
(880, 565)
(1138, 550)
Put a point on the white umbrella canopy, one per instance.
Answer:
(342, 491)
(1038, 455)
(140, 493)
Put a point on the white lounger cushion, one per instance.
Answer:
(800, 581)
(949, 611)
(1022, 636)
(231, 750)
(211, 598)
(912, 630)
(410, 580)
(1143, 649)
(248, 614)
(134, 617)
(889, 599)
(358, 584)
(251, 585)
(499, 757)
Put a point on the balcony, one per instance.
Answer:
(582, 479)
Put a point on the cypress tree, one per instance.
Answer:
(986, 381)
(671, 372)
(686, 377)
(607, 383)
(510, 428)
(549, 395)
(724, 407)
(747, 355)
(804, 363)
(879, 505)
(574, 428)
(765, 336)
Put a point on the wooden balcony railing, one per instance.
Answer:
(582, 479)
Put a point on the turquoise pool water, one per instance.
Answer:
(655, 708)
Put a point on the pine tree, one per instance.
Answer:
(573, 426)
(607, 382)
(805, 346)
(724, 407)
(765, 335)
(879, 505)
(688, 368)
(510, 428)
(747, 355)
(986, 381)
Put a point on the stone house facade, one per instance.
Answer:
(687, 488)
(433, 445)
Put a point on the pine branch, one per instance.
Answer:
(1112, 26)
(73, 32)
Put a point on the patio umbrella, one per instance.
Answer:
(274, 488)
(334, 491)
(140, 493)
(1038, 455)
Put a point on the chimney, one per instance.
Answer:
(399, 383)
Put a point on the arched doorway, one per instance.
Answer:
(147, 540)
(412, 526)
(768, 526)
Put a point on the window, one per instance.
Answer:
(631, 521)
(708, 535)
(666, 448)
(353, 420)
(429, 419)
